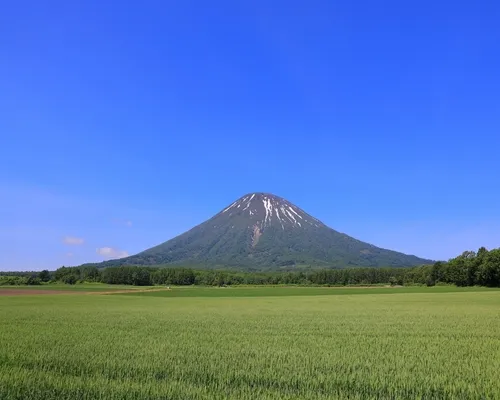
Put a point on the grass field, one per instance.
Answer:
(86, 287)
(280, 291)
(257, 343)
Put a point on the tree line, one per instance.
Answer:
(469, 269)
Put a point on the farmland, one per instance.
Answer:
(252, 343)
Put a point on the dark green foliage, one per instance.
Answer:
(143, 276)
(33, 280)
(468, 269)
(437, 272)
(12, 280)
(87, 273)
(173, 276)
(19, 278)
(62, 272)
(127, 275)
(70, 279)
(44, 275)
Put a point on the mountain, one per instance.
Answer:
(264, 231)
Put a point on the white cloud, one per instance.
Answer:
(73, 241)
(122, 222)
(110, 253)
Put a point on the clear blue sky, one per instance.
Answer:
(123, 124)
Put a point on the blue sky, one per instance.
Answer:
(123, 124)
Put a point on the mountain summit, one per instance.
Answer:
(264, 210)
(261, 231)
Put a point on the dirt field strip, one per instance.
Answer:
(29, 292)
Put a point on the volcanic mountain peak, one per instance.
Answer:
(261, 230)
(265, 210)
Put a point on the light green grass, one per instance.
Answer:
(432, 345)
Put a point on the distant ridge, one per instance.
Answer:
(264, 231)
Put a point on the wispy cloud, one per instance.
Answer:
(110, 253)
(122, 222)
(69, 254)
(73, 241)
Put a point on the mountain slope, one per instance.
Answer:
(264, 231)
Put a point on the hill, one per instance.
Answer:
(264, 231)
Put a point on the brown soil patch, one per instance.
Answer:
(28, 292)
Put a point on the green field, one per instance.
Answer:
(85, 287)
(280, 291)
(253, 343)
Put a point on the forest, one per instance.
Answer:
(468, 269)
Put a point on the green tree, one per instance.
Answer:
(70, 279)
(437, 272)
(44, 275)
(33, 280)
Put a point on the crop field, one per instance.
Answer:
(87, 287)
(252, 343)
(270, 291)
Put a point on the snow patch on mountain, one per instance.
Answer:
(266, 210)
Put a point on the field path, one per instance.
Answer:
(28, 292)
